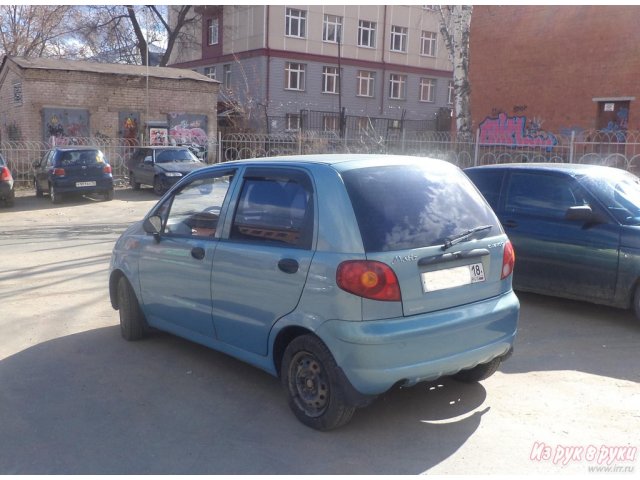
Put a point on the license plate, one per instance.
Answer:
(452, 277)
(85, 184)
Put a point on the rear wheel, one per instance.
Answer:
(108, 195)
(636, 302)
(479, 372)
(310, 377)
(11, 199)
(132, 322)
(158, 189)
(56, 197)
(132, 181)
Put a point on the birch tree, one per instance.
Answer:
(455, 23)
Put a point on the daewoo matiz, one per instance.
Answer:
(344, 275)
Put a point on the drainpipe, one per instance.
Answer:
(266, 44)
(384, 67)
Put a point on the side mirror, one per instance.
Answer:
(153, 225)
(582, 213)
(148, 159)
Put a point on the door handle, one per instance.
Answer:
(510, 224)
(197, 253)
(288, 265)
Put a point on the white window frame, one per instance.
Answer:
(210, 72)
(330, 80)
(226, 75)
(299, 71)
(428, 43)
(213, 31)
(399, 37)
(295, 23)
(293, 121)
(397, 86)
(366, 83)
(368, 27)
(428, 90)
(330, 123)
(451, 93)
(331, 28)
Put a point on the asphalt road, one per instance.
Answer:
(75, 398)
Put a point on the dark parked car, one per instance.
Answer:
(73, 170)
(7, 190)
(575, 228)
(161, 167)
(344, 275)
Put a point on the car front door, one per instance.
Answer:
(175, 267)
(554, 255)
(261, 267)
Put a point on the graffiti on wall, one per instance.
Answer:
(187, 128)
(513, 131)
(128, 125)
(619, 125)
(65, 124)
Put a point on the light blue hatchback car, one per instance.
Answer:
(344, 275)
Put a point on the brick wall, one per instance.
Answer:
(549, 62)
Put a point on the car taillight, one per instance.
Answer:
(508, 260)
(369, 279)
(107, 169)
(5, 174)
(58, 172)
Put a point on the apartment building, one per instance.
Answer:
(276, 61)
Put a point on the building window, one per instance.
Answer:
(296, 23)
(366, 82)
(427, 90)
(397, 86)
(17, 93)
(226, 79)
(451, 92)
(367, 34)
(332, 29)
(428, 43)
(212, 31)
(330, 80)
(293, 121)
(330, 123)
(365, 126)
(294, 76)
(398, 39)
(210, 72)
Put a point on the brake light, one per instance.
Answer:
(369, 279)
(5, 174)
(508, 260)
(107, 169)
(58, 172)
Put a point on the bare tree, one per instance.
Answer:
(455, 23)
(38, 30)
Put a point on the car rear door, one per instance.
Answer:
(261, 267)
(555, 255)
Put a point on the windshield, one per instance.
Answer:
(408, 206)
(166, 156)
(620, 194)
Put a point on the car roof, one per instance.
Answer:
(573, 169)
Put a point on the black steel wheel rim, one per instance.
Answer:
(308, 384)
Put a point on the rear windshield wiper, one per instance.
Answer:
(461, 237)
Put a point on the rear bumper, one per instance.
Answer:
(376, 355)
(69, 185)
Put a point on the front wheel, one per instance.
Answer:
(479, 372)
(132, 181)
(158, 189)
(309, 375)
(133, 325)
(108, 195)
(39, 193)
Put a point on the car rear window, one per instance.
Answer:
(406, 206)
(80, 157)
(166, 156)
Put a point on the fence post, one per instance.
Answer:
(476, 148)
(571, 145)
(219, 147)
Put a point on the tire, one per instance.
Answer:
(309, 375)
(108, 195)
(479, 372)
(132, 181)
(39, 193)
(56, 197)
(158, 189)
(133, 325)
(636, 302)
(11, 199)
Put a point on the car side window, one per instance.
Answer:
(195, 209)
(277, 211)
(543, 195)
(489, 184)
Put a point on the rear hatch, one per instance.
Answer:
(85, 167)
(432, 227)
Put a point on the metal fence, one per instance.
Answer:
(594, 147)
